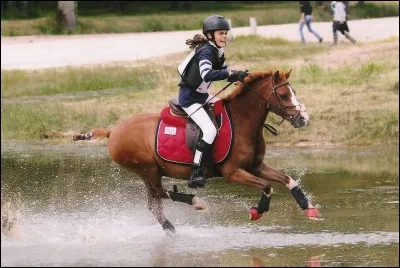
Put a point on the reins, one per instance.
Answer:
(280, 109)
(225, 87)
(277, 110)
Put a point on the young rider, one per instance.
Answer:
(205, 66)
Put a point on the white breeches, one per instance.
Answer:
(202, 119)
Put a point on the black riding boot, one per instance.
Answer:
(197, 178)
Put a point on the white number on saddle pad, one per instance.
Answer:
(170, 131)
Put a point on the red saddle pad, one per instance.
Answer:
(170, 137)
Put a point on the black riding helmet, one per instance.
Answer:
(215, 22)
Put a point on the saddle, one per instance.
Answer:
(177, 134)
(193, 132)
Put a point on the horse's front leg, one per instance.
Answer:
(246, 178)
(198, 203)
(271, 174)
(154, 204)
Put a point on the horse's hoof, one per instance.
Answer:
(168, 227)
(197, 183)
(77, 137)
(254, 214)
(312, 213)
(199, 204)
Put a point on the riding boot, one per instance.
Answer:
(348, 36)
(197, 178)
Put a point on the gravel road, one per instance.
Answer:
(38, 52)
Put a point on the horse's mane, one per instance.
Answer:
(250, 78)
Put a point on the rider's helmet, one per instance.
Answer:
(215, 22)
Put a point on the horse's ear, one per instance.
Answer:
(276, 75)
(288, 74)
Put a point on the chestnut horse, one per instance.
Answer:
(131, 144)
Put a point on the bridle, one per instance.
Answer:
(280, 108)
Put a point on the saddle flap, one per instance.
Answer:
(192, 134)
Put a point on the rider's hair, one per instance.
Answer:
(198, 39)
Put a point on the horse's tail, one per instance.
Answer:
(96, 133)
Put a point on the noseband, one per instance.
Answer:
(280, 108)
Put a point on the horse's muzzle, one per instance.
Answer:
(301, 119)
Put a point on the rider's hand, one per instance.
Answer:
(237, 75)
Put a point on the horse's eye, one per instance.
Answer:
(284, 97)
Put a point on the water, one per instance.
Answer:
(74, 207)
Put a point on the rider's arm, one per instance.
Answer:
(205, 58)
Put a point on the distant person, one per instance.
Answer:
(306, 19)
(201, 67)
(340, 21)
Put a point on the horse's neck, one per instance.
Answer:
(248, 112)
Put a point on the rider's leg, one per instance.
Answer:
(203, 148)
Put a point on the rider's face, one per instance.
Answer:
(220, 37)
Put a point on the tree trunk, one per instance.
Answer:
(66, 14)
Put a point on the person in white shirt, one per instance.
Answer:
(340, 21)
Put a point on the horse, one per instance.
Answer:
(131, 144)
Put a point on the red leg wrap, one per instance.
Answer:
(254, 214)
(312, 212)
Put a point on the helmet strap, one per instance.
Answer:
(212, 39)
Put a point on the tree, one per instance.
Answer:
(66, 18)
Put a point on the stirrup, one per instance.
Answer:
(197, 178)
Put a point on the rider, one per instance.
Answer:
(205, 65)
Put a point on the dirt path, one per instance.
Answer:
(37, 52)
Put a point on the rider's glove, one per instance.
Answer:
(237, 75)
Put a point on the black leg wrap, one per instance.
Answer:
(301, 199)
(167, 226)
(181, 197)
(263, 204)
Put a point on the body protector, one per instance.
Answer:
(189, 69)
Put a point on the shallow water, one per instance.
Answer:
(75, 207)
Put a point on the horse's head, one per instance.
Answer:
(275, 92)
(282, 100)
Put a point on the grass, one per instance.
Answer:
(150, 21)
(71, 80)
(350, 102)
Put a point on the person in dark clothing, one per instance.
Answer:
(205, 64)
(306, 19)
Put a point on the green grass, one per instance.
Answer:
(70, 80)
(353, 102)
